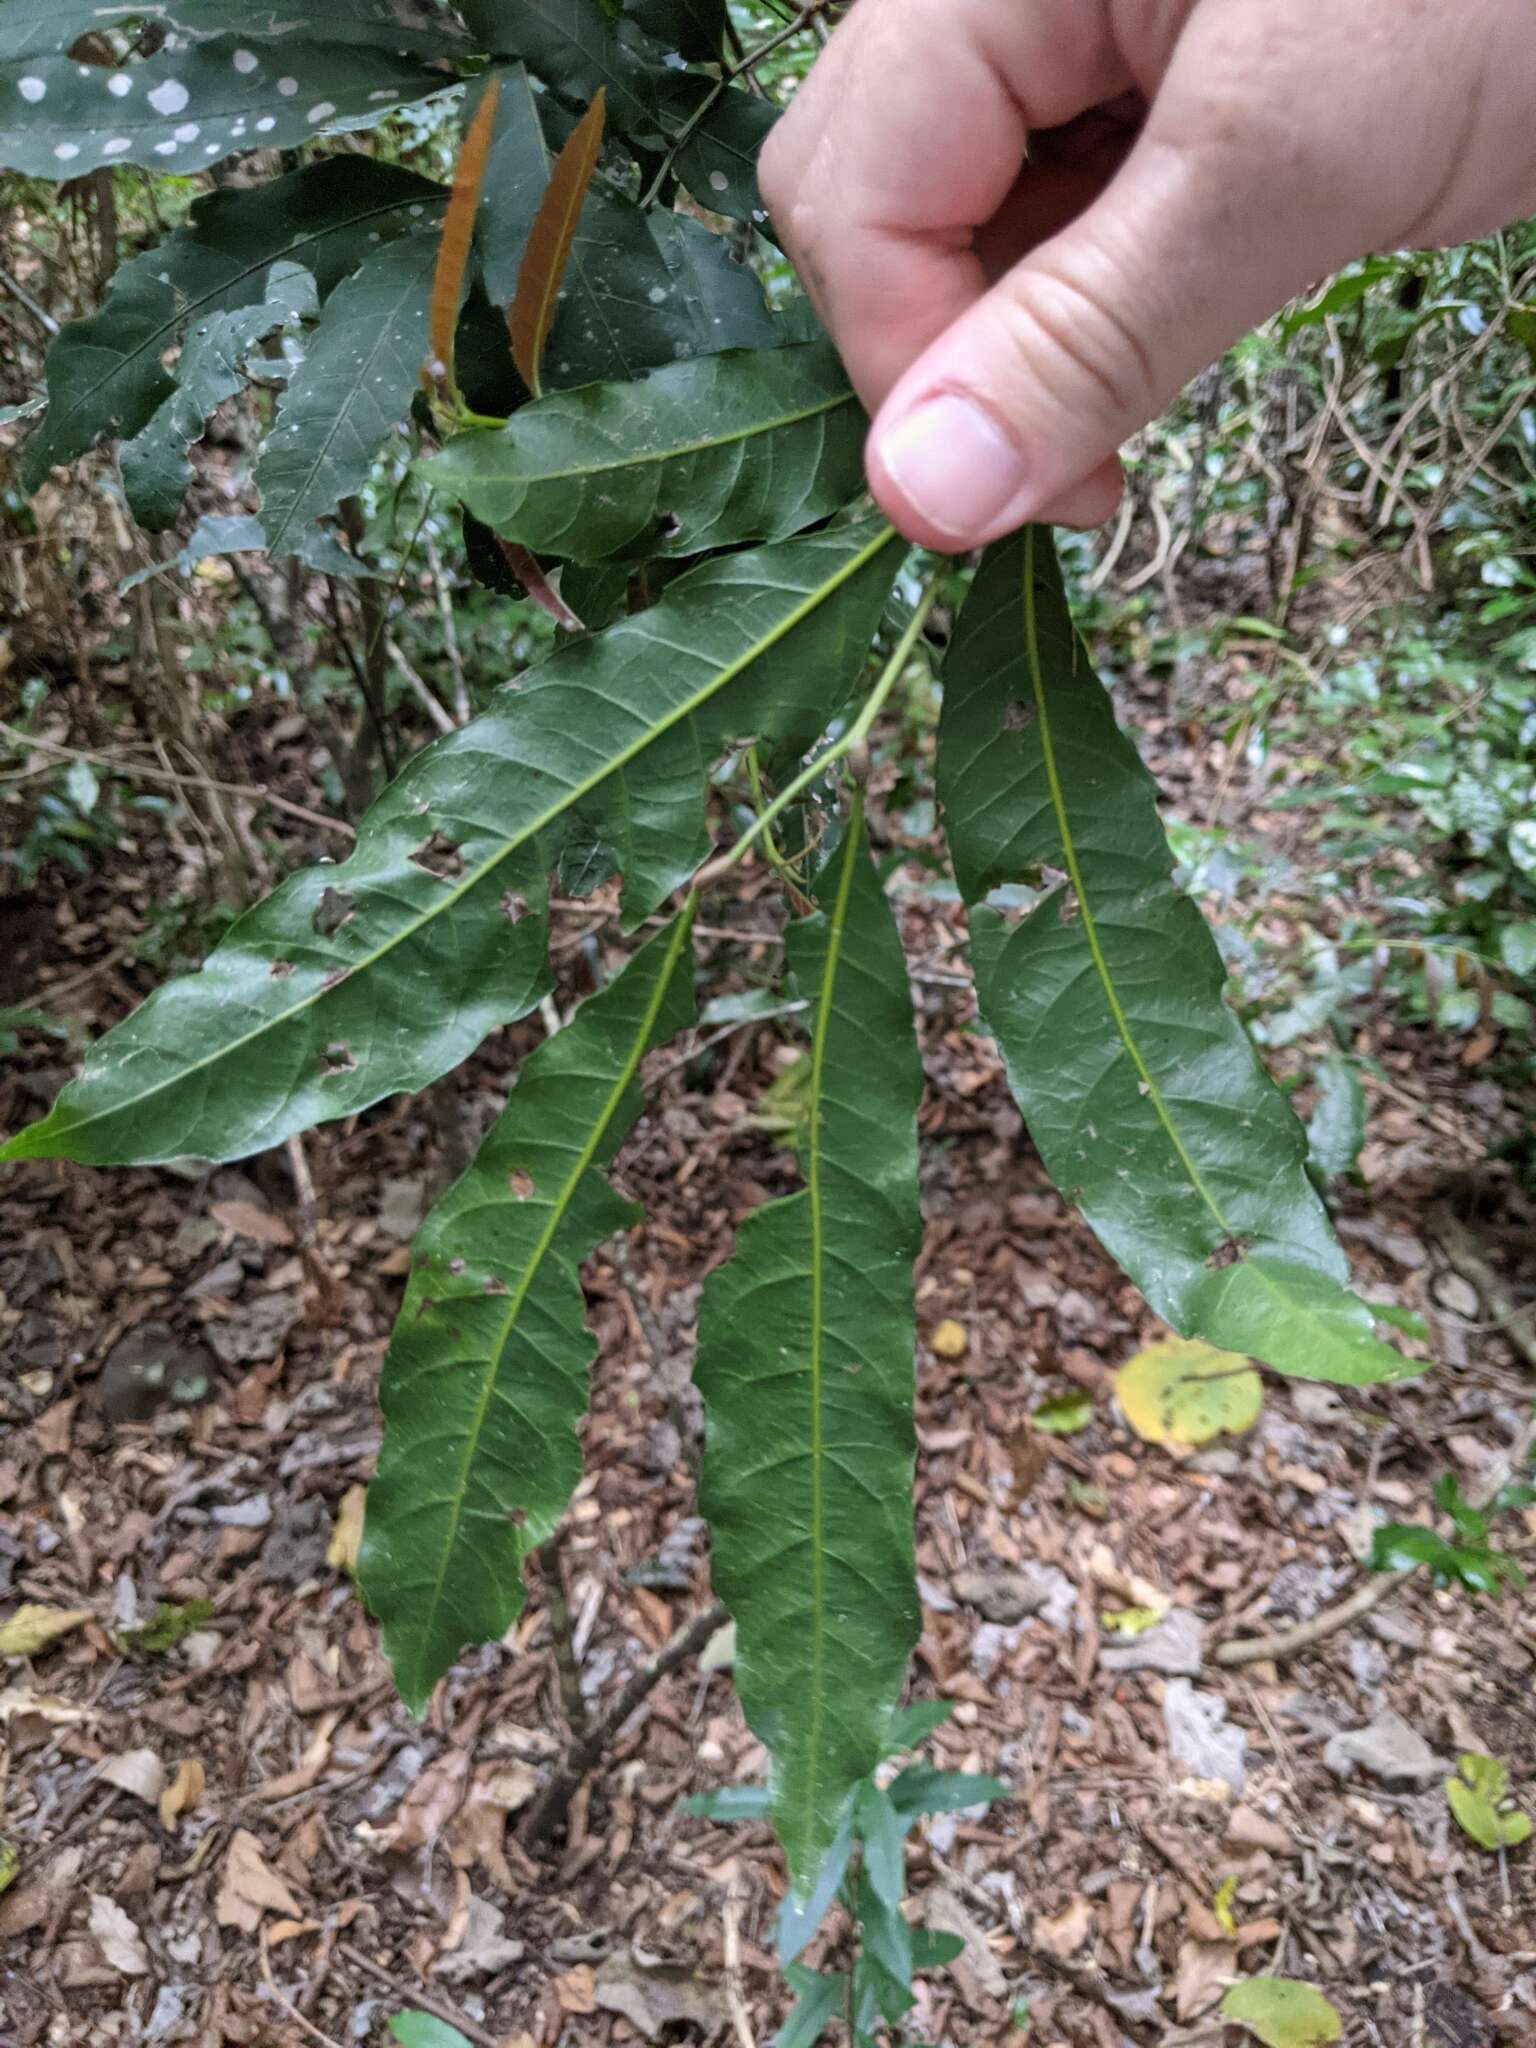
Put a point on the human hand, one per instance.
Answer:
(1026, 223)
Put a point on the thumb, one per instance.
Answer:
(1016, 411)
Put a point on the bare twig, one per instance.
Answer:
(1375, 1589)
(133, 771)
(548, 1810)
(417, 687)
(417, 1996)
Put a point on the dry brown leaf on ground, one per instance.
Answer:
(251, 1887)
(1205, 1970)
(138, 1772)
(1068, 1931)
(244, 1219)
(654, 1994)
(428, 1807)
(118, 1938)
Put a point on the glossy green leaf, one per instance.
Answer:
(805, 1362)
(746, 446)
(695, 29)
(641, 289)
(154, 464)
(105, 374)
(579, 47)
(1140, 1088)
(921, 1789)
(719, 156)
(1336, 1127)
(359, 374)
(189, 105)
(485, 1382)
(380, 974)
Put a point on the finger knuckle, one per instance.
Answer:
(1067, 336)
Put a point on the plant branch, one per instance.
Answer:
(548, 1810)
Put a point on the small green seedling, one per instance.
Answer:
(1470, 1559)
(865, 1869)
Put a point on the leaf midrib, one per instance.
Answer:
(1122, 1023)
(546, 818)
(835, 930)
(674, 451)
(384, 338)
(557, 1213)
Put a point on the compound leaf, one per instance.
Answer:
(358, 376)
(189, 105)
(806, 1342)
(486, 1377)
(745, 446)
(105, 374)
(1140, 1088)
(380, 974)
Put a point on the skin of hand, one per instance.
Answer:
(1027, 223)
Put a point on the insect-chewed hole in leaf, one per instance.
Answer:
(440, 856)
(520, 1184)
(518, 1517)
(280, 970)
(667, 525)
(1228, 1253)
(1018, 716)
(332, 911)
(494, 1284)
(336, 977)
(337, 1059)
(514, 906)
(456, 1266)
(1068, 909)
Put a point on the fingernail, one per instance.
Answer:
(953, 464)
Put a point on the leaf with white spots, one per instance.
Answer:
(106, 376)
(356, 382)
(154, 463)
(48, 27)
(186, 107)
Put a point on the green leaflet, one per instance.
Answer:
(154, 463)
(577, 46)
(752, 445)
(188, 106)
(641, 289)
(354, 982)
(1140, 1087)
(718, 158)
(105, 376)
(359, 373)
(486, 1377)
(805, 1364)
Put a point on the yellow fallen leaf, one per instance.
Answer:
(1180, 1391)
(183, 1792)
(10, 1863)
(949, 1340)
(347, 1536)
(1221, 1905)
(33, 1628)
